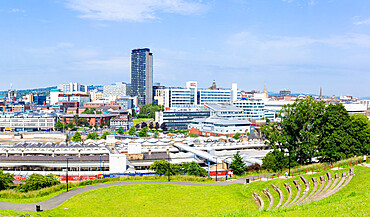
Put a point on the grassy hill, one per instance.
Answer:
(231, 200)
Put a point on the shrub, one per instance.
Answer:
(6, 180)
(36, 182)
(254, 167)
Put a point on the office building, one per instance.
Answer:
(118, 89)
(219, 127)
(26, 122)
(192, 96)
(180, 118)
(72, 87)
(285, 92)
(73, 97)
(142, 75)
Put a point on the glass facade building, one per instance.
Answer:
(142, 75)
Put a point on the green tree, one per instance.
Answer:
(6, 180)
(163, 167)
(70, 125)
(104, 136)
(275, 161)
(143, 132)
(298, 129)
(148, 110)
(76, 137)
(335, 142)
(36, 182)
(120, 131)
(237, 165)
(237, 135)
(193, 169)
(89, 111)
(132, 131)
(92, 135)
(360, 133)
(58, 125)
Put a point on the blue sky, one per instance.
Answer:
(301, 45)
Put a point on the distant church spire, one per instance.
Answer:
(320, 93)
(265, 89)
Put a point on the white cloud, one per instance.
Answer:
(362, 22)
(133, 10)
(17, 10)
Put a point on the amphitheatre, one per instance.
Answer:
(335, 191)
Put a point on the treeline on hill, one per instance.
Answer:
(34, 182)
(308, 129)
(163, 167)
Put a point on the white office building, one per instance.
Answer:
(118, 89)
(72, 87)
(192, 96)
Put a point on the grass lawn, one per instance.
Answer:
(232, 200)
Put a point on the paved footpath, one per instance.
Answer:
(61, 198)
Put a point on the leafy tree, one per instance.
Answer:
(237, 165)
(298, 130)
(76, 137)
(360, 133)
(120, 131)
(163, 167)
(163, 126)
(89, 111)
(143, 132)
(137, 126)
(237, 135)
(104, 136)
(70, 125)
(6, 180)
(151, 126)
(58, 125)
(143, 124)
(335, 141)
(132, 131)
(276, 161)
(156, 126)
(193, 169)
(36, 182)
(92, 135)
(102, 124)
(148, 110)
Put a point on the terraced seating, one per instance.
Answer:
(298, 186)
(314, 181)
(327, 188)
(280, 193)
(269, 196)
(287, 186)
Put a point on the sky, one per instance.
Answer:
(300, 45)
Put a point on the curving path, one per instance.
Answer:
(61, 198)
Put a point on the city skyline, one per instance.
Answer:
(298, 45)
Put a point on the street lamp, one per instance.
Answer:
(216, 169)
(67, 173)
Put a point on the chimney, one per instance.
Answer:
(79, 153)
(7, 153)
(22, 153)
(150, 152)
(53, 153)
(168, 151)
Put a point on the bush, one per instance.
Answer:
(36, 182)
(254, 168)
(6, 180)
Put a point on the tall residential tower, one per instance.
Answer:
(142, 75)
